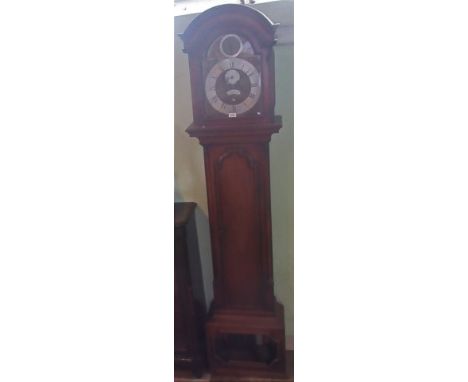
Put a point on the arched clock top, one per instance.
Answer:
(225, 19)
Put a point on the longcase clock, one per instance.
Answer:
(231, 63)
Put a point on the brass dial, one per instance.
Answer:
(233, 86)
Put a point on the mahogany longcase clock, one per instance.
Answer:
(231, 62)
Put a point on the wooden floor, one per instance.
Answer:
(181, 376)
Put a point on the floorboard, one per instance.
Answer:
(184, 376)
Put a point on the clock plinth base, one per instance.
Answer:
(247, 345)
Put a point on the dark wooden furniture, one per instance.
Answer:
(189, 298)
(231, 66)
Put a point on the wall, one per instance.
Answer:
(188, 156)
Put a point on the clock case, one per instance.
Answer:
(245, 326)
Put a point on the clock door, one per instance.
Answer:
(241, 251)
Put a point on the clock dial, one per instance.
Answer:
(233, 86)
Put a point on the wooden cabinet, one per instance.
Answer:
(189, 298)
(231, 63)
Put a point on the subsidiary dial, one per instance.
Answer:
(230, 45)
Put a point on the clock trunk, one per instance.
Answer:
(238, 176)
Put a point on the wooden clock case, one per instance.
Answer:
(245, 328)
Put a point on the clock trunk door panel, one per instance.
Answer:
(240, 217)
